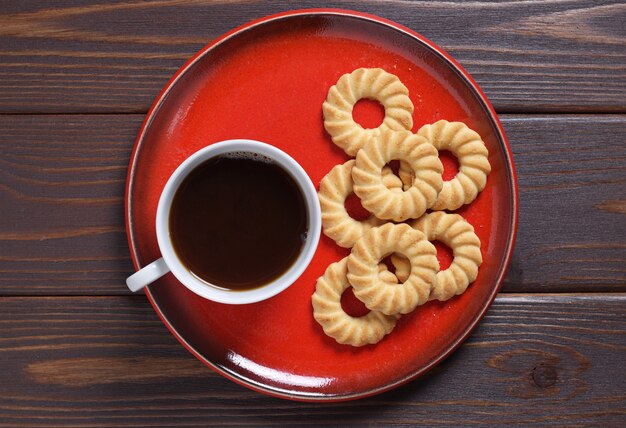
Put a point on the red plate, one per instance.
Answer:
(267, 81)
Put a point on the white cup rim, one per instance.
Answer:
(276, 286)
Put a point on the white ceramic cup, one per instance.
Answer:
(170, 261)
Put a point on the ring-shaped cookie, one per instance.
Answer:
(370, 83)
(364, 275)
(412, 150)
(472, 155)
(455, 232)
(327, 311)
(337, 224)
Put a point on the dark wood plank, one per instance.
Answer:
(62, 182)
(62, 186)
(108, 361)
(572, 211)
(116, 55)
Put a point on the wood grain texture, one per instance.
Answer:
(62, 182)
(115, 55)
(62, 185)
(572, 184)
(108, 361)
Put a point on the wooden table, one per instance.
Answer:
(76, 349)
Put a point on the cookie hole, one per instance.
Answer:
(444, 255)
(368, 113)
(390, 266)
(351, 305)
(395, 167)
(403, 269)
(450, 164)
(355, 209)
(394, 181)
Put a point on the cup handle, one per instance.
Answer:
(147, 274)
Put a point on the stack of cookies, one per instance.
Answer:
(399, 225)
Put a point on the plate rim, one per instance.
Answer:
(482, 98)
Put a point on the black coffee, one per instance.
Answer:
(238, 221)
